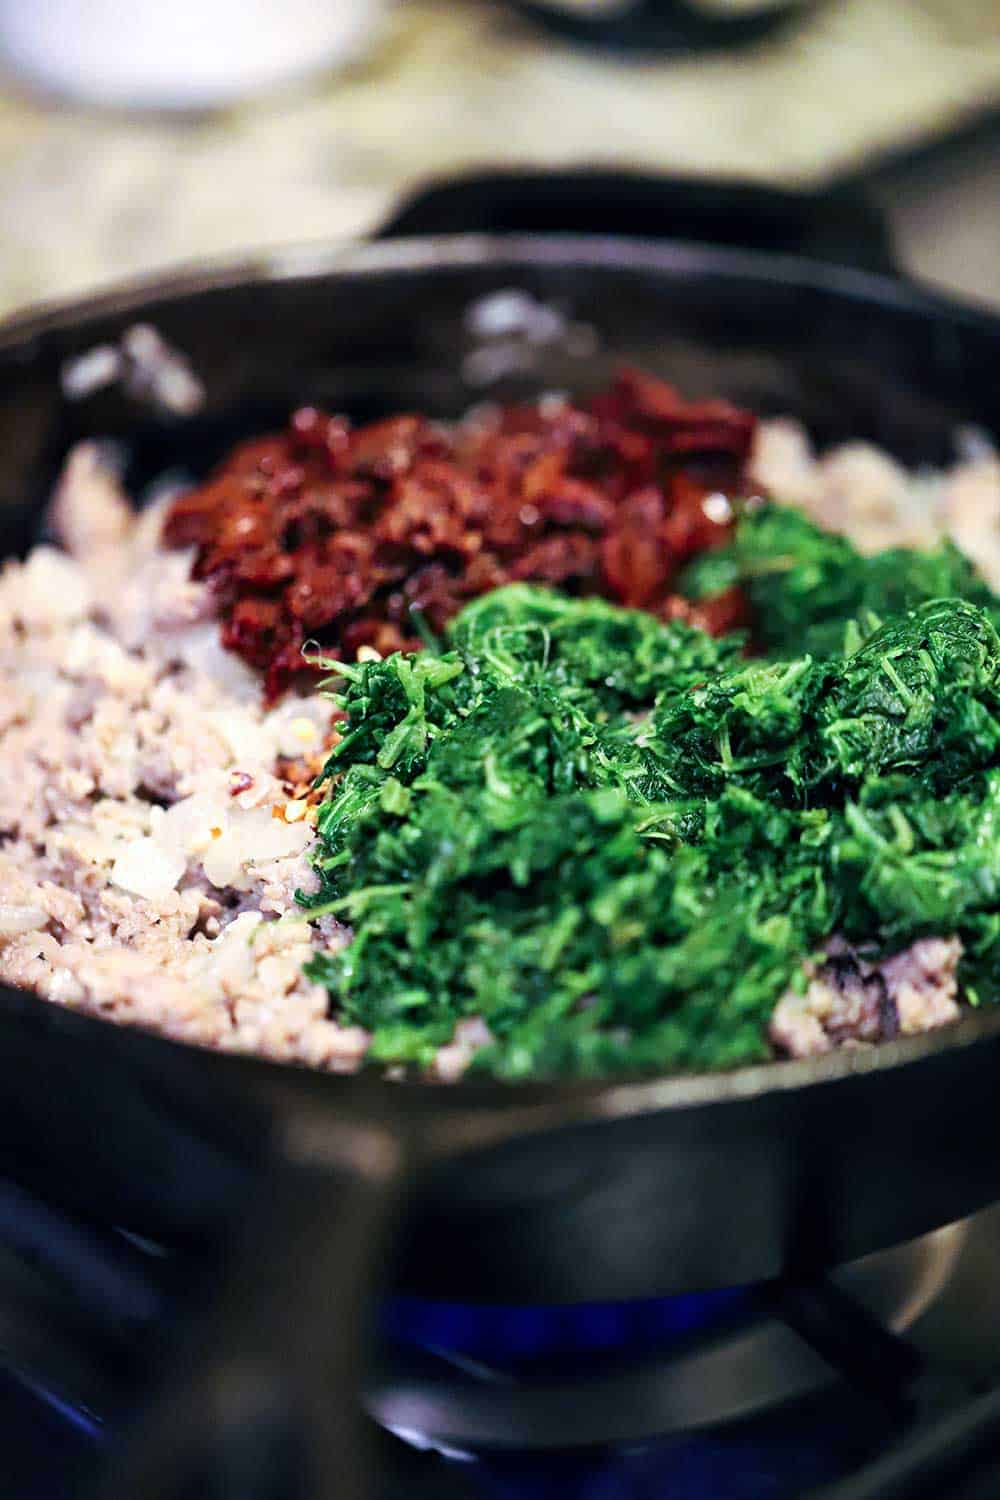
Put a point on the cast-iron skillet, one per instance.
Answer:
(549, 1191)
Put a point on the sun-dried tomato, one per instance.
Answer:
(341, 534)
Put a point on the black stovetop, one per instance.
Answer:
(761, 1393)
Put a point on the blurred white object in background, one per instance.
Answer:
(182, 54)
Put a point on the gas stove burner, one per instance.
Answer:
(755, 1393)
(517, 1338)
(466, 1379)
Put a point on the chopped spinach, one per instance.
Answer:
(807, 586)
(617, 840)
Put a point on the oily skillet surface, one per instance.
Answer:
(549, 1191)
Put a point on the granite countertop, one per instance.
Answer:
(90, 197)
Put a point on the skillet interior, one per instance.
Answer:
(640, 1188)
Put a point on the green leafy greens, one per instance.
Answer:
(617, 840)
(806, 585)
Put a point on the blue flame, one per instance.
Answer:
(512, 1336)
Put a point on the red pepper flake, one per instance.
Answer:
(338, 534)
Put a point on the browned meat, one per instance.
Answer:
(850, 1000)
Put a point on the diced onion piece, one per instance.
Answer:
(247, 741)
(188, 825)
(51, 590)
(145, 868)
(16, 919)
(232, 951)
(253, 836)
